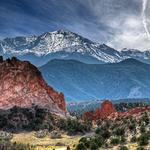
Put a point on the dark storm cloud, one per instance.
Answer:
(115, 22)
(41, 15)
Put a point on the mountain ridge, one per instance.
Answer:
(128, 61)
(64, 44)
(80, 81)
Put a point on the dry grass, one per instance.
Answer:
(50, 148)
(49, 144)
(45, 143)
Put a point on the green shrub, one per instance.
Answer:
(123, 139)
(93, 146)
(87, 143)
(68, 148)
(83, 140)
(99, 140)
(115, 141)
(73, 126)
(81, 146)
(142, 129)
(143, 139)
(62, 124)
(98, 131)
(140, 148)
(145, 118)
(132, 127)
(106, 134)
(92, 143)
(119, 132)
(133, 139)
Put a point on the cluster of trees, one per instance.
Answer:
(116, 132)
(121, 107)
(37, 118)
(25, 118)
(94, 143)
(74, 126)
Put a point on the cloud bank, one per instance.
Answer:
(118, 23)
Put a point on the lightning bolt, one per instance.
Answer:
(144, 18)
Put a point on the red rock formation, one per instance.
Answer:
(107, 111)
(88, 116)
(22, 85)
(134, 112)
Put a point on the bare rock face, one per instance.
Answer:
(106, 109)
(89, 116)
(135, 112)
(104, 112)
(22, 85)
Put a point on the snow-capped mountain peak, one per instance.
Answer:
(70, 44)
(44, 44)
(51, 42)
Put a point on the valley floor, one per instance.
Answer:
(58, 144)
(46, 143)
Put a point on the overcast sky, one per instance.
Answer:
(118, 23)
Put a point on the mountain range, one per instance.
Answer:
(63, 44)
(83, 69)
(79, 81)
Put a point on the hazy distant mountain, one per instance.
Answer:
(64, 44)
(136, 54)
(78, 81)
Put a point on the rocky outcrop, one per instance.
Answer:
(108, 111)
(134, 112)
(22, 85)
(55, 135)
(5, 135)
(89, 116)
(41, 133)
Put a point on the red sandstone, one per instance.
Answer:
(107, 111)
(22, 85)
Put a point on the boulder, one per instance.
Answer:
(55, 135)
(5, 135)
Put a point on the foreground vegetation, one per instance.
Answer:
(36, 118)
(7, 145)
(120, 133)
(37, 129)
